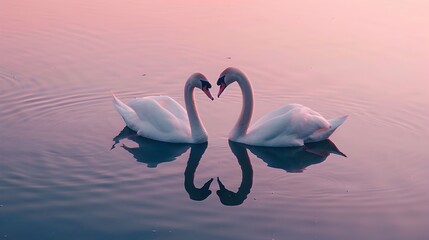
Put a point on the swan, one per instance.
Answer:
(163, 119)
(287, 126)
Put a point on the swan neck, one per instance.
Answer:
(199, 133)
(243, 122)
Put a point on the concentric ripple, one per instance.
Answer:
(70, 170)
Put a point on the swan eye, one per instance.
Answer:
(221, 80)
(205, 84)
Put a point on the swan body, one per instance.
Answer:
(290, 125)
(161, 118)
(287, 126)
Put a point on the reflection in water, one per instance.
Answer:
(296, 159)
(228, 197)
(291, 159)
(197, 194)
(126, 133)
(150, 151)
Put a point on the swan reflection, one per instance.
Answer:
(296, 159)
(197, 194)
(291, 159)
(150, 152)
(228, 197)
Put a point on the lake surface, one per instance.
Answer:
(60, 178)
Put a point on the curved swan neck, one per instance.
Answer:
(240, 128)
(199, 133)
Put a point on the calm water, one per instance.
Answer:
(60, 179)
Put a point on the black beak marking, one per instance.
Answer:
(221, 80)
(205, 84)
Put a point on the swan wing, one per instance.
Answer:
(289, 125)
(165, 102)
(156, 120)
(324, 133)
(275, 113)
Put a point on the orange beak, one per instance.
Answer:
(207, 92)
(221, 88)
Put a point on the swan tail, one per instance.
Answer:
(127, 113)
(327, 132)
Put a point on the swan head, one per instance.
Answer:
(198, 80)
(227, 77)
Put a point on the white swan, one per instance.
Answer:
(289, 125)
(163, 119)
